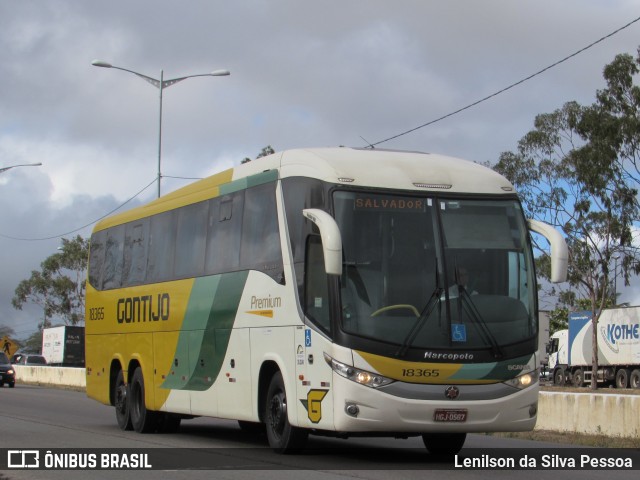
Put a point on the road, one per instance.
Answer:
(35, 417)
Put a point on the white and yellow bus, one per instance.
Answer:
(332, 291)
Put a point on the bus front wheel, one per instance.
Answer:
(283, 437)
(142, 420)
(121, 402)
(444, 443)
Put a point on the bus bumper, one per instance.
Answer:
(362, 409)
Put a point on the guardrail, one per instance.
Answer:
(55, 376)
(616, 415)
(610, 414)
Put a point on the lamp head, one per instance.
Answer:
(100, 63)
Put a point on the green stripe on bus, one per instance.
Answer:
(206, 330)
(248, 182)
(504, 370)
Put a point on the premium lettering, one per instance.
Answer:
(146, 308)
(266, 302)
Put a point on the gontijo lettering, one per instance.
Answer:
(146, 308)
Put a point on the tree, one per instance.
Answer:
(60, 284)
(6, 331)
(268, 150)
(574, 170)
(33, 344)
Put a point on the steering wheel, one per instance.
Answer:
(395, 307)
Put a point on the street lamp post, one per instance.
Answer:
(160, 84)
(4, 169)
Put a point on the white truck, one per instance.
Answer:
(63, 346)
(570, 351)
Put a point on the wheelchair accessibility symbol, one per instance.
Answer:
(458, 332)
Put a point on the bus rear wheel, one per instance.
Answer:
(121, 402)
(283, 437)
(142, 420)
(444, 443)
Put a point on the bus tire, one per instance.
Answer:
(622, 378)
(143, 420)
(283, 437)
(121, 402)
(634, 379)
(444, 443)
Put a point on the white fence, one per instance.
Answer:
(58, 376)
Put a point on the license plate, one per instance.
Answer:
(450, 415)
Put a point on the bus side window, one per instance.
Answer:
(113, 261)
(316, 285)
(191, 240)
(135, 252)
(225, 228)
(162, 239)
(96, 259)
(260, 248)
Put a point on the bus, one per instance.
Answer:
(331, 291)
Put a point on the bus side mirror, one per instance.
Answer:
(559, 250)
(331, 239)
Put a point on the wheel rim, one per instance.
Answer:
(278, 413)
(121, 398)
(622, 379)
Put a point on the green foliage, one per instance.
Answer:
(558, 319)
(60, 284)
(33, 344)
(6, 331)
(577, 170)
(268, 150)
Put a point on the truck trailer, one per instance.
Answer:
(570, 351)
(63, 346)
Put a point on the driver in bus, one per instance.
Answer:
(461, 284)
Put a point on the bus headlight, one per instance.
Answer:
(362, 377)
(525, 380)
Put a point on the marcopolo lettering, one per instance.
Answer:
(623, 332)
(146, 308)
(448, 356)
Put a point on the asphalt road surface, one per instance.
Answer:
(43, 418)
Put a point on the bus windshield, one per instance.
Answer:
(435, 272)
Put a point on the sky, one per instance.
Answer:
(303, 74)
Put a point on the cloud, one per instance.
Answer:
(302, 74)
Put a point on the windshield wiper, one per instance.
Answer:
(420, 322)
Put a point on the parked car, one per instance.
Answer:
(7, 373)
(28, 359)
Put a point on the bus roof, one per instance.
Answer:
(342, 165)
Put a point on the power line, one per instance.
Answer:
(84, 226)
(372, 145)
